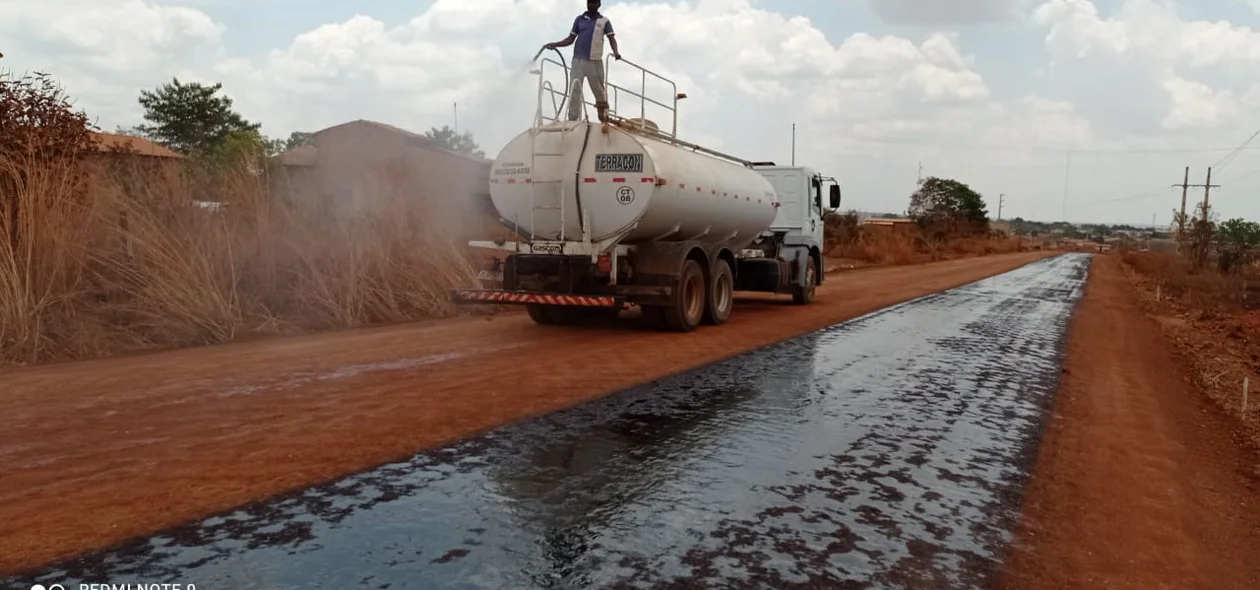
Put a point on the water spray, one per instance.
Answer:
(565, 66)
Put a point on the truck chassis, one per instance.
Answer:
(678, 285)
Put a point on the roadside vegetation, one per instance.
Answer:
(102, 254)
(1204, 289)
(944, 219)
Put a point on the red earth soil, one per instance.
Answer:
(1142, 482)
(96, 452)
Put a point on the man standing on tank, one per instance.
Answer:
(587, 38)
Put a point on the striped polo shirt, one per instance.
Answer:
(590, 30)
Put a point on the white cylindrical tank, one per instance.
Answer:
(622, 179)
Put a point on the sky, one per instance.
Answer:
(1084, 110)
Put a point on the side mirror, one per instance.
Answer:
(835, 196)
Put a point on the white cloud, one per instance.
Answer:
(417, 70)
(1196, 105)
(868, 106)
(950, 12)
(1109, 66)
(103, 50)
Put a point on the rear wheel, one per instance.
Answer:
(721, 295)
(541, 314)
(567, 315)
(803, 294)
(689, 299)
(598, 314)
(653, 317)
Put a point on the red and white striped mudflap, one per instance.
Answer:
(546, 299)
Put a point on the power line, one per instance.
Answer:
(1142, 196)
(1138, 196)
(1234, 153)
(1247, 174)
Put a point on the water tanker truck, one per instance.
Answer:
(627, 214)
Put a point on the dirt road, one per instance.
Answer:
(99, 451)
(1141, 483)
(888, 451)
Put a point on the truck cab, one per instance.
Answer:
(788, 256)
(800, 191)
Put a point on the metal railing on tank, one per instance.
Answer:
(559, 98)
(644, 75)
(550, 72)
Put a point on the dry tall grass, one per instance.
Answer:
(1205, 289)
(890, 247)
(110, 254)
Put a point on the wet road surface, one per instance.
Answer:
(888, 451)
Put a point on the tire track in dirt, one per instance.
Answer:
(101, 451)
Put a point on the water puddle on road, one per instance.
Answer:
(888, 451)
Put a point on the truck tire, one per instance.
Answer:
(544, 314)
(803, 294)
(599, 314)
(687, 309)
(720, 295)
(570, 315)
(563, 315)
(541, 314)
(653, 318)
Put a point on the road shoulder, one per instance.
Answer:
(1139, 482)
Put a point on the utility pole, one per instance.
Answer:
(1067, 174)
(1201, 242)
(1181, 221)
(1001, 198)
(919, 178)
(455, 110)
(793, 144)
(1185, 187)
(1207, 191)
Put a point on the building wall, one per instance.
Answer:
(877, 228)
(361, 162)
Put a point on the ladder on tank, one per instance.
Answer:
(536, 179)
(546, 124)
(536, 131)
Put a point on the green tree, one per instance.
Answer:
(190, 118)
(245, 143)
(298, 139)
(456, 142)
(944, 206)
(1236, 240)
(132, 131)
